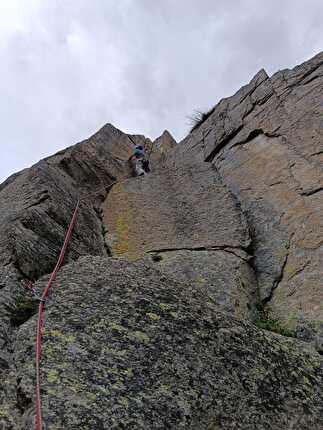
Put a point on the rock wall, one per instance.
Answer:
(155, 320)
(192, 228)
(266, 144)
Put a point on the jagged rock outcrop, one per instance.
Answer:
(152, 322)
(266, 144)
(158, 149)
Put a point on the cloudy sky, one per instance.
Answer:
(70, 66)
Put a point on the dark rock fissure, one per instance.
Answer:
(316, 153)
(24, 402)
(312, 79)
(223, 143)
(277, 281)
(310, 193)
(40, 201)
(23, 309)
(250, 248)
(306, 75)
(99, 212)
(252, 135)
(225, 248)
(100, 215)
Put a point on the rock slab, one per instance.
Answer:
(191, 226)
(125, 347)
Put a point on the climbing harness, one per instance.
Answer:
(41, 312)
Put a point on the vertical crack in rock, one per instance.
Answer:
(253, 248)
(223, 144)
(277, 281)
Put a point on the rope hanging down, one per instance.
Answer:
(41, 311)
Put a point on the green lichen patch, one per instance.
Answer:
(139, 336)
(117, 328)
(266, 322)
(52, 376)
(123, 401)
(165, 306)
(153, 316)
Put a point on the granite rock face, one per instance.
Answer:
(192, 228)
(154, 320)
(139, 350)
(173, 211)
(266, 144)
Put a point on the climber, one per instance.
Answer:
(138, 161)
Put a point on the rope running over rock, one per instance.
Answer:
(40, 320)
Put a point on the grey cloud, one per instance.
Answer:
(72, 65)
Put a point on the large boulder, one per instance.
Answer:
(125, 347)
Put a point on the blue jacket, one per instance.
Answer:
(139, 153)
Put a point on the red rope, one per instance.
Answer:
(40, 321)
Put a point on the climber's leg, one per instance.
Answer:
(133, 164)
(139, 168)
(145, 166)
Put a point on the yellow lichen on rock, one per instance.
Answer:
(122, 222)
